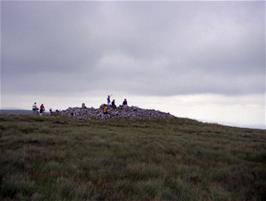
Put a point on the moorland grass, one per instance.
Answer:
(57, 158)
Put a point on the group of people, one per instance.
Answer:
(112, 104)
(41, 110)
(36, 110)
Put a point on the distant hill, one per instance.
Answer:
(18, 111)
(15, 111)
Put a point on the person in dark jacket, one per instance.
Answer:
(108, 100)
(42, 109)
(125, 102)
(113, 104)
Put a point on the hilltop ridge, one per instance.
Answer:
(129, 112)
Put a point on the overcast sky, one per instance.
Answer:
(152, 52)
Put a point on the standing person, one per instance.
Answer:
(108, 100)
(35, 108)
(42, 109)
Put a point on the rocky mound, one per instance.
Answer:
(129, 112)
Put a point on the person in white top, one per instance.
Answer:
(35, 108)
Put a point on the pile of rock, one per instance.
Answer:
(129, 112)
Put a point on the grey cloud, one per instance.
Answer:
(151, 48)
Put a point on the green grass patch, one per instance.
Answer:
(60, 159)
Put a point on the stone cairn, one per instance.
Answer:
(128, 112)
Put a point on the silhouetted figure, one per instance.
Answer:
(42, 109)
(125, 102)
(113, 104)
(108, 100)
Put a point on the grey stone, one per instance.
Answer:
(128, 112)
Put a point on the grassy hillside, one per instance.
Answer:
(56, 159)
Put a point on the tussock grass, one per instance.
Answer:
(57, 158)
